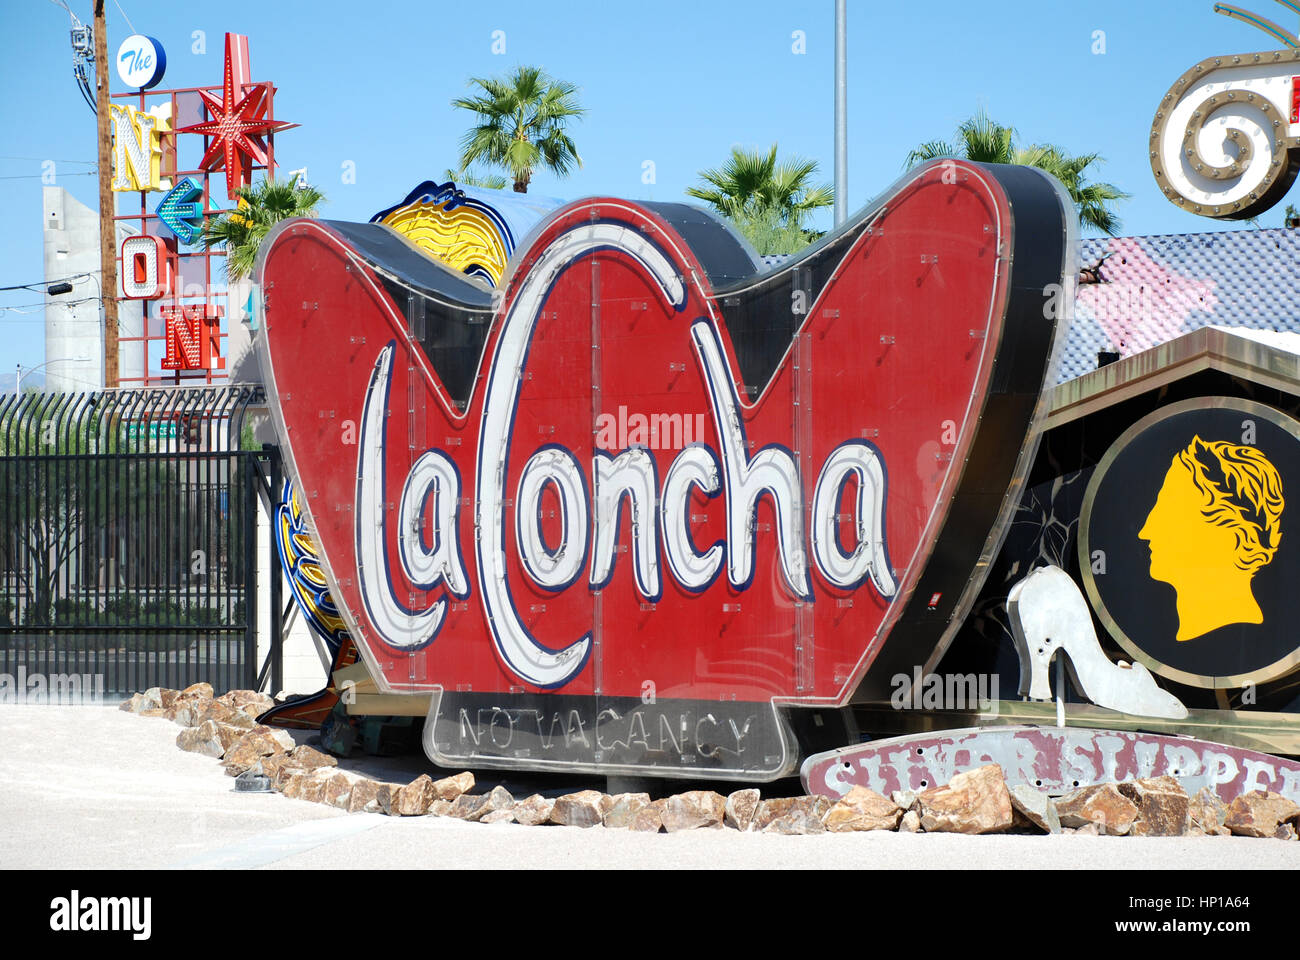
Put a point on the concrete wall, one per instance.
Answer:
(74, 334)
(306, 658)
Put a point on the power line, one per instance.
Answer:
(41, 176)
(92, 163)
(124, 16)
(49, 283)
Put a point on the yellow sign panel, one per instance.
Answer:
(137, 147)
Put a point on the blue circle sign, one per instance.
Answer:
(141, 61)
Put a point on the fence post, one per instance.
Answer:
(277, 574)
(251, 479)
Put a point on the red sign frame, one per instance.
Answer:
(834, 519)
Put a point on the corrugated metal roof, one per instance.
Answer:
(1155, 289)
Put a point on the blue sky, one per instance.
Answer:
(676, 83)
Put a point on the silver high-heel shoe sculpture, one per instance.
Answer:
(1050, 617)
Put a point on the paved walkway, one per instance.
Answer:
(92, 787)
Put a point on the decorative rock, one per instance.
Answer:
(1163, 807)
(202, 739)
(196, 691)
(272, 764)
(974, 802)
(769, 810)
(475, 808)
(1101, 804)
(363, 793)
(911, 822)
(135, 704)
(281, 775)
(309, 758)
(440, 808)
(740, 809)
(1207, 813)
(249, 749)
(499, 816)
(693, 810)
(153, 713)
(216, 710)
(166, 696)
(315, 785)
(624, 808)
(1087, 830)
(533, 810)
(1285, 831)
(449, 788)
(863, 809)
(1035, 808)
(468, 806)
(1258, 813)
(413, 799)
(247, 701)
(649, 819)
(338, 789)
(292, 782)
(906, 798)
(802, 816)
(582, 809)
(183, 712)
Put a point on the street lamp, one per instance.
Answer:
(18, 379)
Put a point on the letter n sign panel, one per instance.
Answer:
(146, 268)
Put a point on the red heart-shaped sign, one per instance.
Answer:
(647, 474)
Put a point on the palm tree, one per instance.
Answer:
(466, 178)
(752, 182)
(521, 126)
(261, 207)
(767, 200)
(985, 141)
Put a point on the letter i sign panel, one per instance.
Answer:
(822, 529)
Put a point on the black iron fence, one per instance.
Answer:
(128, 537)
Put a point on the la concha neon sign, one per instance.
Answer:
(858, 424)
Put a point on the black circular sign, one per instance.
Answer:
(1189, 542)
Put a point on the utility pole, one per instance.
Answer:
(841, 113)
(107, 207)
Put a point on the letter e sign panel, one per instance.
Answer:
(847, 464)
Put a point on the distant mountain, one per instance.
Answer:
(8, 378)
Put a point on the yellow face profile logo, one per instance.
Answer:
(1217, 522)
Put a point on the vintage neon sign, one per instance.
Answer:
(193, 337)
(1225, 142)
(137, 147)
(181, 209)
(238, 120)
(147, 268)
(141, 61)
(576, 605)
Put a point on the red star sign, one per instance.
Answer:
(236, 129)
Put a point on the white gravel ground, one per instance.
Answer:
(92, 787)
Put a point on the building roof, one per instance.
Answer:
(1151, 290)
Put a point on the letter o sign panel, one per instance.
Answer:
(146, 268)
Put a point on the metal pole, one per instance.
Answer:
(841, 113)
(107, 226)
(18, 382)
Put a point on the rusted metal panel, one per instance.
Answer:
(1054, 759)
